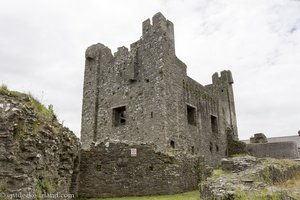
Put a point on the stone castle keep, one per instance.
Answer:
(144, 121)
(145, 95)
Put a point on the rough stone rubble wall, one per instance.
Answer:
(35, 156)
(108, 169)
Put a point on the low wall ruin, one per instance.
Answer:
(274, 150)
(119, 169)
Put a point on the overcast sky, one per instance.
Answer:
(42, 45)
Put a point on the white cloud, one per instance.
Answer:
(42, 46)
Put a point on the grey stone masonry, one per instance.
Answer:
(117, 169)
(144, 95)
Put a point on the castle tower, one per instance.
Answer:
(224, 90)
(124, 93)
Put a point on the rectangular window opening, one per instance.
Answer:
(214, 124)
(119, 116)
(191, 115)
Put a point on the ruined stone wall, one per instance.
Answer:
(37, 154)
(274, 150)
(109, 169)
(250, 177)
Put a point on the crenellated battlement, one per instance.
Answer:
(159, 24)
(160, 29)
(122, 51)
(225, 78)
(156, 35)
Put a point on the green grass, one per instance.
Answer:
(41, 110)
(5, 91)
(291, 186)
(261, 195)
(217, 172)
(184, 196)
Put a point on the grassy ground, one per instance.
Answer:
(292, 186)
(184, 196)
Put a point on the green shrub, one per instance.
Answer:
(44, 186)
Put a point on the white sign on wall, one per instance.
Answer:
(133, 152)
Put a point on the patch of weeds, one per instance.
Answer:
(44, 186)
(261, 195)
(217, 172)
(5, 91)
(41, 110)
(266, 176)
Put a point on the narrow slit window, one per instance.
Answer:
(214, 124)
(211, 147)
